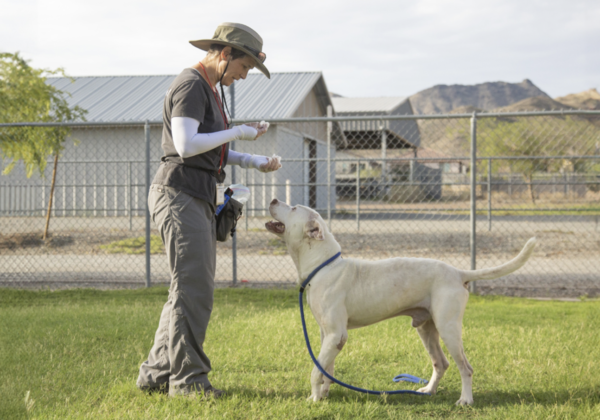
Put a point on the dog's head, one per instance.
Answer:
(296, 224)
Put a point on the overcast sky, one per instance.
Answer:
(363, 48)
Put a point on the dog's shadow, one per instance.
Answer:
(442, 398)
(490, 398)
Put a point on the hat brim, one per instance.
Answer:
(204, 44)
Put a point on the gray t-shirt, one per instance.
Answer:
(190, 96)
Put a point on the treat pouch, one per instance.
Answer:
(227, 217)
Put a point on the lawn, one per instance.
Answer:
(76, 354)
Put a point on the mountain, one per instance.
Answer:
(485, 96)
(538, 103)
(451, 137)
(588, 99)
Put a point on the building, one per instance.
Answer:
(383, 135)
(369, 141)
(102, 169)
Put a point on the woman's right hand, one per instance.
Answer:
(245, 132)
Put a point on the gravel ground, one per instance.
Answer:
(566, 262)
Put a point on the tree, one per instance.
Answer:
(26, 97)
(536, 141)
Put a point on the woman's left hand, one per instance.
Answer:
(272, 164)
(260, 127)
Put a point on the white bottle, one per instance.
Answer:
(241, 193)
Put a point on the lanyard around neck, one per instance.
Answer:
(220, 106)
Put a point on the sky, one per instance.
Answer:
(363, 48)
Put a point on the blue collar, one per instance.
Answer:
(316, 270)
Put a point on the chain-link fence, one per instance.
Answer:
(387, 186)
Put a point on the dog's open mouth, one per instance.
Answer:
(275, 227)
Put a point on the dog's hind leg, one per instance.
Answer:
(331, 346)
(431, 340)
(448, 320)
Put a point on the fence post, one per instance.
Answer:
(358, 195)
(250, 200)
(233, 181)
(129, 206)
(489, 188)
(383, 156)
(329, 126)
(473, 212)
(147, 185)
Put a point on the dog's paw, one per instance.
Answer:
(427, 390)
(313, 398)
(464, 401)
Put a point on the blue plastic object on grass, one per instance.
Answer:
(405, 377)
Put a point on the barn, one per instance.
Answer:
(102, 171)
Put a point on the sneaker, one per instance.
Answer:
(163, 389)
(212, 392)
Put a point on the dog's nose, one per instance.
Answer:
(275, 201)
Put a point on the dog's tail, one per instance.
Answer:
(501, 270)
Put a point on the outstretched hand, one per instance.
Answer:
(260, 127)
(273, 163)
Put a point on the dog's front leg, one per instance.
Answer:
(326, 381)
(331, 346)
(431, 340)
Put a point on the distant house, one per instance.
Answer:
(375, 134)
(385, 139)
(104, 173)
(399, 134)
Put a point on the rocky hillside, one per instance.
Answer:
(484, 96)
(451, 137)
(538, 103)
(589, 99)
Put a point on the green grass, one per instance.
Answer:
(135, 246)
(77, 354)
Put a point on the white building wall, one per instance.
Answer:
(104, 174)
(101, 172)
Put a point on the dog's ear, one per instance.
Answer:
(314, 230)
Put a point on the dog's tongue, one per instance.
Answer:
(275, 226)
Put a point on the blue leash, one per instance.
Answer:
(402, 377)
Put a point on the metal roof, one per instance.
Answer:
(354, 105)
(140, 98)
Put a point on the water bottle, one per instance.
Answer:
(241, 193)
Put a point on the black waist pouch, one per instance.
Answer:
(227, 219)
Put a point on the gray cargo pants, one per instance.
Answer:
(188, 230)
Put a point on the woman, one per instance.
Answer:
(183, 198)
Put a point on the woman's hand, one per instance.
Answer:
(260, 127)
(272, 164)
(262, 163)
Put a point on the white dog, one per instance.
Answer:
(350, 293)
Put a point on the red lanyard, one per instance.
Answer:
(222, 115)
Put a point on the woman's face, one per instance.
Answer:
(237, 69)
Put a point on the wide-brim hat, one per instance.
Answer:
(240, 37)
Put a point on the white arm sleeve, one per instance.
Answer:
(245, 160)
(188, 142)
